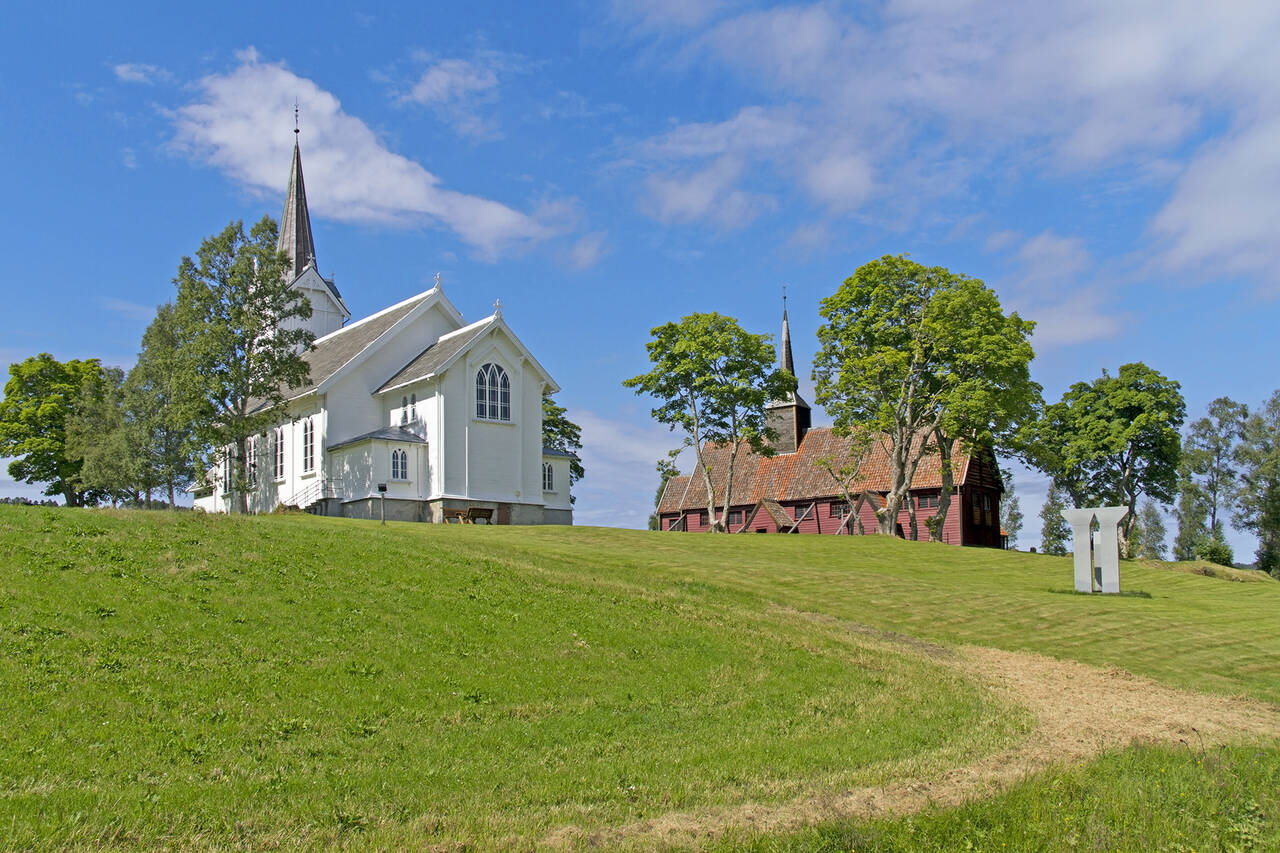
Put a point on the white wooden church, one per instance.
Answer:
(411, 412)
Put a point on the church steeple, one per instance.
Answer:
(790, 417)
(295, 222)
(785, 360)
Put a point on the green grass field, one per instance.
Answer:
(177, 680)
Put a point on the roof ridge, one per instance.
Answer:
(415, 298)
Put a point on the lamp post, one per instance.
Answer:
(382, 502)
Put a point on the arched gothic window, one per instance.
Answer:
(399, 465)
(548, 477)
(308, 446)
(493, 393)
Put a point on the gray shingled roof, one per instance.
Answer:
(331, 352)
(553, 451)
(431, 359)
(386, 434)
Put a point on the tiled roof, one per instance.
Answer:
(553, 451)
(795, 476)
(431, 359)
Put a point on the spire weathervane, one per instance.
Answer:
(296, 131)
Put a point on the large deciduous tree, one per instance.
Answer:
(712, 380)
(1258, 497)
(1112, 440)
(40, 398)
(102, 435)
(925, 358)
(234, 309)
(1208, 457)
(160, 394)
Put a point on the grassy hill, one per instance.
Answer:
(177, 680)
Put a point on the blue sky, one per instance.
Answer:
(1113, 170)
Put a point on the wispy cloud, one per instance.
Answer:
(128, 310)
(588, 250)
(140, 72)
(907, 106)
(1051, 280)
(455, 89)
(238, 124)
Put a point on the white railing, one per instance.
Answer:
(315, 492)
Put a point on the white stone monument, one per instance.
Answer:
(1104, 553)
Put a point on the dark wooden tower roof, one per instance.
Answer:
(295, 222)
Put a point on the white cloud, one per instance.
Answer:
(619, 458)
(810, 236)
(454, 89)
(587, 251)
(1052, 282)
(240, 124)
(1001, 240)
(706, 197)
(1223, 212)
(11, 488)
(139, 72)
(924, 99)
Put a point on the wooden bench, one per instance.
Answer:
(471, 515)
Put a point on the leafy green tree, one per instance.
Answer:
(1010, 511)
(560, 433)
(1215, 550)
(1054, 530)
(1192, 516)
(160, 400)
(234, 312)
(1258, 497)
(40, 397)
(712, 380)
(1113, 440)
(924, 357)
(1209, 456)
(1146, 537)
(667, 471)
(102, 436)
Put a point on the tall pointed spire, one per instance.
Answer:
(785, 361)
(295, 222)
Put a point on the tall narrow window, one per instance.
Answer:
(308, 446)
(251, 464)
(548, 477)
(399, 465)
(413, 406)
(277, 467)
(404, 410)
(493, 393)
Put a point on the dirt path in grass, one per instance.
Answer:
(1080, 711)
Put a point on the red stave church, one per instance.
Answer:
(790, 493)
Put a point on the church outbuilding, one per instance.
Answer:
(411, 412)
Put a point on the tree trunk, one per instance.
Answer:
(911, 516)
(173, 503)
(938, 524)
(238, 476)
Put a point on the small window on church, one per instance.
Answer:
(308, 446)
(404, 410)
(548, 477)
(399, 465)
(493, 393)
(413, 407)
